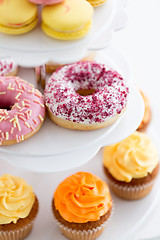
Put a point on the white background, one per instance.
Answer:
(140, 42)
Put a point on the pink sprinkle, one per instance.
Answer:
(35, 121)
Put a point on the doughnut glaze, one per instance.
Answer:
(8, 67)
(109, 98)
(22, 110)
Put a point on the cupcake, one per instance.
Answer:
(82, 206)
(147, 114)
(131, 166)
(18, 208)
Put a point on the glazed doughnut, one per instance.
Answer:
(85, 96)
(22, 110)
(147, 114)
(8, 67)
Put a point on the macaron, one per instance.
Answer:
(68, 20)
(96, 3)
(46, 2)
(17, 16)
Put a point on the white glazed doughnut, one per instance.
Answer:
(8, 67)
(22, 110)
(106, 96)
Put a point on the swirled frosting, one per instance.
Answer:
(16, 199)
(134, 157)
(82, 197)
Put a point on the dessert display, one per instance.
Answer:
(52, 66)
(8, 67)
(82, 206)
(83, 96)
(86, 96)
(22, 110)
(46, 2)
(65, 21)
(18, 208)
(131, 166)
(17, 16)
(147, 114)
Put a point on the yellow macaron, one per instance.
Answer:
(68, 20)
(17, 16)
(96, 3)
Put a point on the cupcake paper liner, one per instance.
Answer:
(131, 192)
(17, 234)
(84, 234)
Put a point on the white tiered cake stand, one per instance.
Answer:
(35, 48)
(53, 149)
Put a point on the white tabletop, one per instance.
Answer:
(140, 42)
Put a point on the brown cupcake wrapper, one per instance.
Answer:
(17, 234)
(84, 234)
(131, 192)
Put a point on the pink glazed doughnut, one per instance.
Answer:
(22, 110)
(85, 96)
(46, 2)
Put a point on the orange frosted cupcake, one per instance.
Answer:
(82, 206)
(18, 208)
(147, 114)
(131, 166)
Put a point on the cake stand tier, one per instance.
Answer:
(127, 217)
(35, 48)
(55, 149)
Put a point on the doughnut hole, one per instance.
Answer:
(85, 92)
(6, 103)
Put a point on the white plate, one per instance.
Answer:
(35, 48)
(55, 149)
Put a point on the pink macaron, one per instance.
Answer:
(46, 2)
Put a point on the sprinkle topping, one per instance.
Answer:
(7, 66)
(23, 116)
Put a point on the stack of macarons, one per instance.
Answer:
(61, 19)
(94, 3)
(46, 2)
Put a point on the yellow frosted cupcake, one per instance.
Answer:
(18, 208)
(68, 20)
(17, 16)
(82, 206)
(131, 166)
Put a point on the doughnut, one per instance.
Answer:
(8, 67)
(40, 75)
(147, 114)
(85, 96)
(22, 110)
